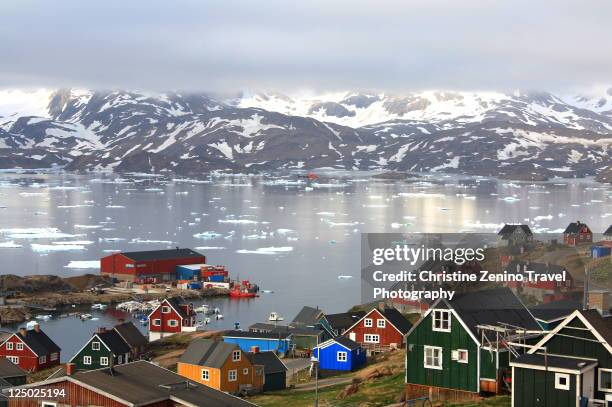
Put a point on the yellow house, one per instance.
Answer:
(222, 366)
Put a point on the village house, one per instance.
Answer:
(302, 337)
(380, 329)
(11, 374)
(275, 371)
(570, 366)
(134, 338)
(106, 348)
(172, 316)
(340, 322)
(459, 348)
(31, 349)
(516, 235)
(551, 314)
(279, 342)
(339, 355)
(550, 289)
(152, 266)
(577, 233)
(607, 235)
(222, 366)
(138, 383)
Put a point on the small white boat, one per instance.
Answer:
(99, 306)
(218, 317)
(274, 316)
(202, 309)
(344, 277)
(43, 317)
(85, 316)
(31, 324)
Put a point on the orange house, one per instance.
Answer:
(222, 366)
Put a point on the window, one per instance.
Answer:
(232, 375)
(156, 322)
(605, 380)
(367, 323)
(54, 356)
(236, 356)
(129, 266)
(381, 323)
(245, 371)
(87, 360)
(95, 345)
(342, 356)
(14, 359)
(562, 381)
(104, 361)
(48, 404)
(371, 338)
(120, 359)
(165, 310)
(42, 359)
(432, 357)
(205, 375)
(173, 322)
(441, 320)
(462, 355)
(9, 346)
(19, 346)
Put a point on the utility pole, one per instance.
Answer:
(315, 364)
(585, 299)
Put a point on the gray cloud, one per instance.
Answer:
(283, 45)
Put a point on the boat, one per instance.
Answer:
(218, 317)
(85, 316)
(203, 309)
(275, 317)
(238, 293)
(99, 306)
(31, 324)
(43, 317)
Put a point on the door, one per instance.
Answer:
(588, 384)
(352, 336)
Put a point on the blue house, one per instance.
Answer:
(339, 354)
(279, 342)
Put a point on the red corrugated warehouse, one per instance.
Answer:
(152, 266)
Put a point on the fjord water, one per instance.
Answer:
(290, 238)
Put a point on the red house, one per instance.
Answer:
(380, 329)
(577, 233)
(32, 350)
(171, 317)
(152, 266)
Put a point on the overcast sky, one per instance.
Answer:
(322, 45)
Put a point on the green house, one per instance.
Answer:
(570, 366)
(106, 348)
(458, 349)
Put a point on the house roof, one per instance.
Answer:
(177, 303)
(561, 362)
(142, 383)
(130, 334)
(39, 342)
(151, 255)
(574, 227)
(341, 340)
(263, 326)
(258, 335)
(9, 369)
(208, 352)
(269, 360)
(608, 231)
(298, 330)
(308, 316)
(397, 319)
(344, 320)
(114, 342)
(492, 307)
(555, 310)
(603, 325)
(509, 229)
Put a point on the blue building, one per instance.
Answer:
(339, 354)
(279, 342)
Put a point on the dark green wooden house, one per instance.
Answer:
(106, 348)
(275, 370)
(570, 366)
(457, 350)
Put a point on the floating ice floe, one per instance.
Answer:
(542, 217)
(421, 195)
(87, 226)
(75, 243)
(74, 206)
(239, 221)
(207, 235)
(329, 185)
(83, 264)
(44, 248)
(284, 231)
(210, 248)
(138, 240)
(115, 207)
(35, 233)
(326, 214)
(9, 245)
(510, 199)
(344, 277)
(479, 225)
(111, 239)
(267, 250)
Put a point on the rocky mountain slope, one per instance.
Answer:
(522, 135)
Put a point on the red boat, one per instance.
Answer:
(244, 290)
(238, 293)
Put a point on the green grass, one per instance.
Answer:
(502, 401)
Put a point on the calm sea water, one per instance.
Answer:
(286, 238)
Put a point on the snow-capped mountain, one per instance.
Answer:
(524, 135)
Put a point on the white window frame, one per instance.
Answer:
(558, 384)
(367, 322)
(371, 338)
(599, 372)
(54, 356)
(48, 404)
(232, 375)
(157, 322)
(236, 356)
(19, 346)
(381, 323)
(245, 371)
(205, 375)
(87, 360)
(9, 346)
(460, 359)
(433, 349)
(166, 309)
(42, 359)
(95, 345)
(103, 361)
(342, 356)
(13, 359)
(440, 315)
